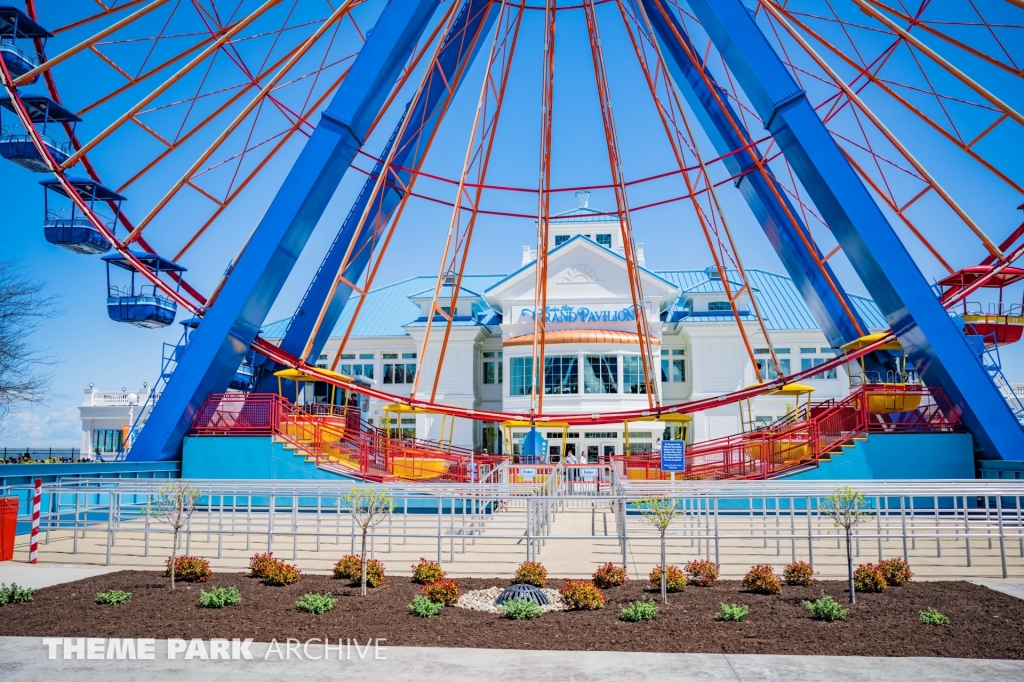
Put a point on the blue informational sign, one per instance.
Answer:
(673, 455)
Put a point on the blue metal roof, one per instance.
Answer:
(389, 309)
(781, 304)
(446, 292)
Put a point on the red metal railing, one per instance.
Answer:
(786, 444)
(334, 440)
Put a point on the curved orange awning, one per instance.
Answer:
(581, 336)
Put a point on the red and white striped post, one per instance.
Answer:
(37, 496)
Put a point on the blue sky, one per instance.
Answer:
(91, 348)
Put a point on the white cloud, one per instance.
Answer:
(41, 426)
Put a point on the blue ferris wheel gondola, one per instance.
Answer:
(69, 227)
(144, 305)
(17, 145)
(17, 31)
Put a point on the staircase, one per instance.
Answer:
(807, 437)
(987, 350)
(335, 439)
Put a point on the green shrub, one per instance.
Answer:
(761, 580)
(798, 573)
(348, 567)
(317, 604)
(869, 578)
(581, 595)
(639, 611)
(732, 612)
(444, 592)
(113, 597)
(531, 573)
(701, 572)
(259, 563)
(426, 572)
(933, 617)
(897, 572)
(15, 594)
(219, 597)
(826, 608)
(424, 607)
(610, 575)
(191, 569)
(520, 609)
(280, 573)
(675, 579)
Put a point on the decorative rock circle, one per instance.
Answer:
(521, 591)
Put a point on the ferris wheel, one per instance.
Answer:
(164, 131)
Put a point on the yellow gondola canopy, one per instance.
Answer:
(402, 407)
(857, 344)
(792, 389)
(788, 389)
(298, 375)
(515, 424)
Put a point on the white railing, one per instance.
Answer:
(939, 525)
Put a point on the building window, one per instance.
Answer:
(641, 448)
(107, 440)
(492, 369)
(633, 375)
(561, 239)
(560, 375)
(719, 305)
(673, 368)
(808, 363)
(399, 372)
(605, 240)
(407, 429)
(767, 369)
(521, 371)
(601, 434)
(600, 374)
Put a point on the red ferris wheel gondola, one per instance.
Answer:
(998, 323)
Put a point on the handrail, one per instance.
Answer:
(786, 445)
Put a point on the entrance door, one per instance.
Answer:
(592, 454)
(607, 451)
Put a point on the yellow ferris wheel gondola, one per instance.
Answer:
(886, 397)
(679, 425)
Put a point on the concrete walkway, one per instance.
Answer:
(27, 658)
(38, 576)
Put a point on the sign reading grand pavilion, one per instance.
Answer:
(568, 313)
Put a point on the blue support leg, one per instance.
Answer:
(231, 325)
(929, 336)
(829, 304)
(454, 57)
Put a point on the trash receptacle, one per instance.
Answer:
(8, 524)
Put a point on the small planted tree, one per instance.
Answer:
(846, 509)
(174, 504)
(660, 512)
(369, 508)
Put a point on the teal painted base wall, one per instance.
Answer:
(900, 457)
(256, 457)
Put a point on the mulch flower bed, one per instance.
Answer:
(984, 623)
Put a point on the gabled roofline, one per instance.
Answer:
(604, 249)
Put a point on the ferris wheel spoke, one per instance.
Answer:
(621, 202)
(88, 43)
(163, 87)
(670, 116)
(941, 61)
(879, 125)
(229, 199)
(187, 176)
(1008, 66)
(885, 87)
